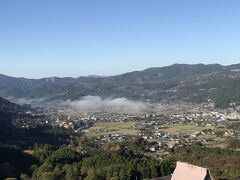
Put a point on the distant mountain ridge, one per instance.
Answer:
(175, 82)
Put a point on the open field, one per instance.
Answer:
(219, 141)
(183, 129)
(190, 129)
(101, 128)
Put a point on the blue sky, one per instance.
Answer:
(42, 38)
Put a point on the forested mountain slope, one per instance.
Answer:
(196, 83)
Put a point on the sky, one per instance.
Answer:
(45, 38)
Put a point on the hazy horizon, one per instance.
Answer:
(101, 75)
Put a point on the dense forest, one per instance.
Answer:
(110, 161)
(54, 162)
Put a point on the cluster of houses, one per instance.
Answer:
(150, 126)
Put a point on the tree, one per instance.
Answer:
(91, 174)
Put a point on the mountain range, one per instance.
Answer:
(179, 82)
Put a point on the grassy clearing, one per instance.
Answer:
(219, 141)
(190, 129)
(101, 128)
(183, 129)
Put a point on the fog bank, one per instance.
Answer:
(98, 104)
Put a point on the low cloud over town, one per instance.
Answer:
(98, 104)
